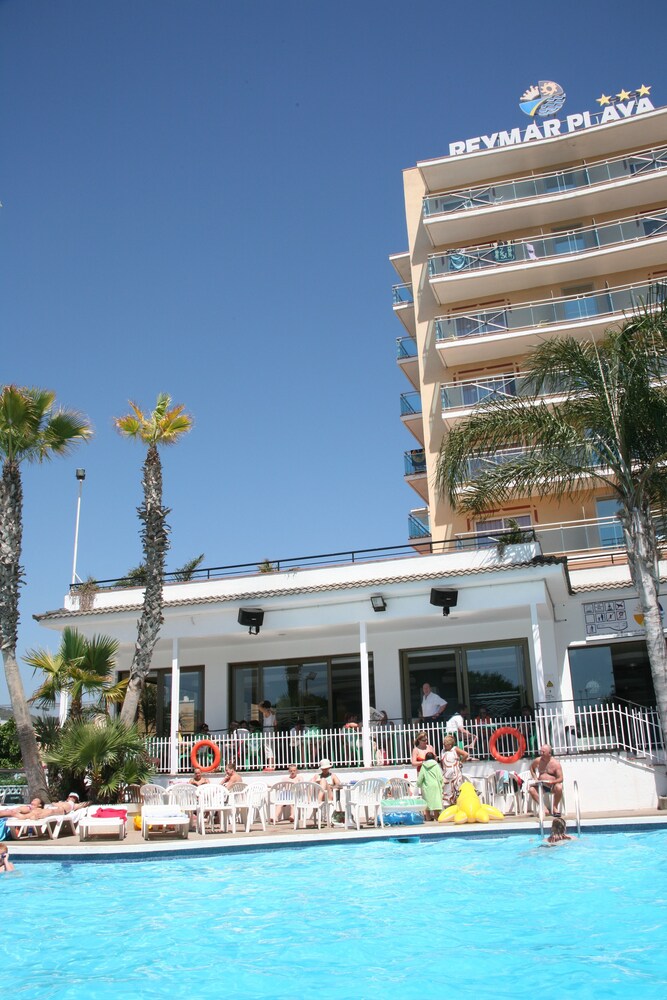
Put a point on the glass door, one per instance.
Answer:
(437, 667)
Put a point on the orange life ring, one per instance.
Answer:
(216, 755)
(507, 731)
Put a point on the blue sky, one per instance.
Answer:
(200, 198)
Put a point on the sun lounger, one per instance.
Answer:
(68, 822)
(99, 821)
(163, 819)
(26, 827)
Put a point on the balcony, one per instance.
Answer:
(406, 355)
(594, 540)
(510, 266)
(511, 204)
(411, 414)
(499, 331)
(419, 523)
(414, 464)
(471, 392)
(404, 307)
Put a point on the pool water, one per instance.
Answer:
(466, 917)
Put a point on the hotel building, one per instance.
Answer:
(556, 234)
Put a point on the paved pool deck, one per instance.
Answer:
(134, 847)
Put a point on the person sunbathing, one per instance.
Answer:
(37, 809)
(24, 811)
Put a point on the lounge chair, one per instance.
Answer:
(163, 819)
(93, 824)
(22, 827)
(70, 819)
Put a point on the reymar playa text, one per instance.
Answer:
(551, 127)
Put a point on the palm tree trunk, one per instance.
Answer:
(154, 536)
(643, 561)
(11, 534)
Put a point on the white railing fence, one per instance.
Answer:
(567, 727)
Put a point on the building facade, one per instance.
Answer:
(508, 245)
(562, 233)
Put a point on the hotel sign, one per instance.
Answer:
(626, 104)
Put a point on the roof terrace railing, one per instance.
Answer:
(539, 248)
(567, 309)
(544, 185)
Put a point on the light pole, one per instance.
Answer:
(80, 475)
(64, 695)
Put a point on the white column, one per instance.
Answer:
(539, 689)
(365, 698)
(175, 704)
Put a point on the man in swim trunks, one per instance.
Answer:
(546, 771)
(326, 779)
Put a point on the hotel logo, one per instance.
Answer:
(544, 99)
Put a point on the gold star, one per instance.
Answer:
(643, 90)
(603, 100)
(624, 95)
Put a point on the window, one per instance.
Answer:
(154, 717)
(322, 691)
(610, 528)
(493, 675)
(620, 670)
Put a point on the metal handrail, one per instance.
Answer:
(577, 806)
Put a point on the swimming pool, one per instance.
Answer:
(496, 916)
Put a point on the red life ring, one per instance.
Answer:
(507, 731)
(216, 755)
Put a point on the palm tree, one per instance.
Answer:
(609, 430)
(31, 430)
(164, 426)
(109, 756)
(81, 666)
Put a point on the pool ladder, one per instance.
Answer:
(577, 807)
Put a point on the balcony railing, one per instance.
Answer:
(455, 395)
(419, 525)
(411, 404)
(484, 196)
(478, 464)
(569, 728)
(402, 295)
(538, 248)
(559, 538)
(406, 347)
(414, 462)
(551, 312)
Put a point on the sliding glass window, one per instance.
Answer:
(322, 691)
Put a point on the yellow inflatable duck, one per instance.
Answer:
(468, 808)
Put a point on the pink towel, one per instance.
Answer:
(111, 814)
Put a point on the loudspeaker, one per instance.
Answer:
(444, 599)
(252, 617)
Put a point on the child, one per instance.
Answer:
(559, 833)
(5, 863)
(430, 782)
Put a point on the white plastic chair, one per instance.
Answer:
(151, 795)
(186, 797)
(214, 801)
(256, 805)
(307, 801)
(367, 795)
(398, 788)
(281, 796)
(90, 824)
